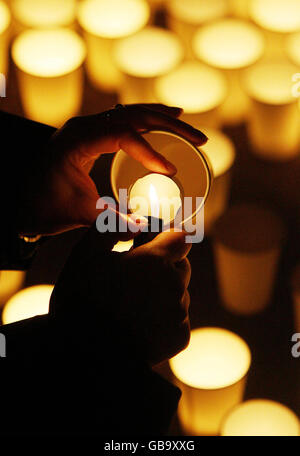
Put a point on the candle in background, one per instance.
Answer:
(212, 374)
(277, 18)
(274, 116)
(103, 22)
(247, 246)
(184, 17)
(292, 48)
(27, 303)
(261, 417)
(5, 20)
(239, 8)
(295, 285)
(10, 283)
(50, 74)
(123, 246)
(143, 57)
(197, 88)
(220, 151)
(230, 45)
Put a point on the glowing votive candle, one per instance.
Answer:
(5, 20)
(292, 47)
(103, 22)
(261, 417)
(155, 195)
(10, 283)
(247, 244)
(184, 17)
(276, 18)
(220, 151)
(141, 58)
(50, 75)
(274, 116)
(230, 45)
(123, 246)
(27, 303)
(296, 296)
(212, 374)
(197, 88)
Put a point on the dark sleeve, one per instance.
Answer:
(51, 383)
(22, 141)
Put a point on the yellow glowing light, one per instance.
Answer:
(4, 17)
(219, 150)
(215, 358)
(270, 82)
(48, 53)
(276, 15)
(27, 303)
(44, 13)
(293, 48)
(197, 12)
(10, 283)
(229, 44)
(151, 52)
(260, 417)
(192, 86)
(123, 246)
(113, 18)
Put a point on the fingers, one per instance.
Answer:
(172, 245)
(184, 271)
(169, 110)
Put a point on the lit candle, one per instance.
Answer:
(261, 417)
(277, 18)
(50, 75)
(212, 375)
(5, 19)
(27, 303)
(184, 17)
(123, 246)
(230, 45)
(43, 13)
(220, 151)
(247, 244)
(292, 47)
(296, 296)
(10, 283)
(143, 57)
(197, 88)
(103, 23)
(274, 116)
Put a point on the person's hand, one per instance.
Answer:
(61, 194)
(143, 291)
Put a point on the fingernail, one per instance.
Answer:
(201, 135)
(170, 168)
(177, 109)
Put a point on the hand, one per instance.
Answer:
(143, 291)
(61, 195)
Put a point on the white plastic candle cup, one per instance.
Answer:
(103, 23)
(274, 116)
(141, 58)
(247, 246)
(184, 17)
(193, 177)
(211, 373)
(50, 76)
(230, 45)
(5, 20)
(277, 18)
(295, 285)
(220, 151)
(27, 303)
(10, 283)
(197, 88)
(261, 417)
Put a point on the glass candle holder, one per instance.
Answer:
(276, 18)
(184, 17)
(103, 23)
(261, 417)
(197, 88)
(50, 76)
(5, 20)
(295, 286)
(230, 45)
(10, 283)
(141, 58)
(247, 242)
(274, 117)
(27, 303)
(211, 373)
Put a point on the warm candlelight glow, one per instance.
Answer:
(276, 15)
(5, 19)
(10, 283)
(44, 13)
(27, 303)
(293, 48)
(123, 246)
(261, 417)
(197, 12)
(50, 73)
(211, 371)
